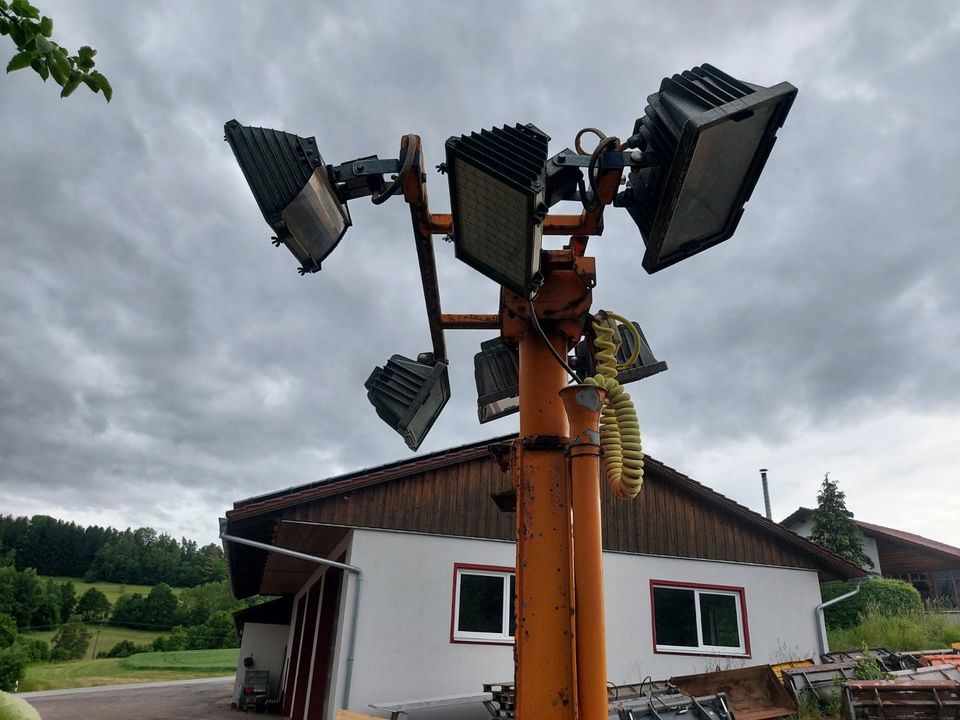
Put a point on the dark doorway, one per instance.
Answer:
(326, 641)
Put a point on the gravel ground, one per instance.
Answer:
(207, 699)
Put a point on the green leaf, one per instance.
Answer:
(56, 69)
(104, 84)
(46, 26)
(91, 83)
(4, 28)
(60, 60)
(43, 45)
(85, 63)
(20, 61)
(41, 68)
(72, 84)
(4, 5)
(87, 52)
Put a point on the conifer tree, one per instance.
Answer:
(833, 525)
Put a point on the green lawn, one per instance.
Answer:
(146, 667)
(109, 635)
(224, 660)
(111, 590)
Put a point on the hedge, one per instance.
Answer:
(888, 597)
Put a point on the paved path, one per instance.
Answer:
(203, 699)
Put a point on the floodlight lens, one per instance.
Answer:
(707, 195)
(315, 220)
(497, 192)
(493, 227)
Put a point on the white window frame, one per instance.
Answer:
(502, 638)
(737, 594)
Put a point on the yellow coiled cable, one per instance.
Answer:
(619, 427)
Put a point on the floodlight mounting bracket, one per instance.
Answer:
(611, 160)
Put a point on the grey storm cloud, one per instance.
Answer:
(159, 359)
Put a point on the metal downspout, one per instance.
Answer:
(357, 572)
(821, 621)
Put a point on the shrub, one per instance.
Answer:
(879, 595)
(8, 630)
(14, 708)
(12, 668)
(126, 648)
(33, 650)
(71, 641)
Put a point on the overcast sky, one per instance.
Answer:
(159, 359)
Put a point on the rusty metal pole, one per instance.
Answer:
(546, 672)
(583, 404)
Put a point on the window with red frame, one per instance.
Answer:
(699, 619)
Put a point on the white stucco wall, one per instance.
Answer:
(267, 644)
(404, 650)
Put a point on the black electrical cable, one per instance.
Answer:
(381, 197)
(550, 347)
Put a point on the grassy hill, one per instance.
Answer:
(105, 635)
(111, 590)
(109, 635)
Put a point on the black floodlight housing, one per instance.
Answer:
(408, 395)
(496, 369)
(293, 189)
(644, 366)
(497, 198)
(710, 135)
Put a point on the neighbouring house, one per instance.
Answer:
(418, 603)
(931, 567)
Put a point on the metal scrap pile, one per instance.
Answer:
(907, 686)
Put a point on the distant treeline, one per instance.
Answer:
(140, 557)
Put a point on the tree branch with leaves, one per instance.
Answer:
(31, 33)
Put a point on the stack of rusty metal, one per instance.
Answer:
(504, 699)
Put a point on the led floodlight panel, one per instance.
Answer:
(712, 135)
(497, 189)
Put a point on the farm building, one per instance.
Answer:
(417, 603)
(930, 566)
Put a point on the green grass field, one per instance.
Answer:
(205, 660)
(109, 635)
(146, 667)
(111, 590)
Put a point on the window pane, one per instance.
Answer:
(675, 617)
(481, 604)
(719, 621)
(513, 605)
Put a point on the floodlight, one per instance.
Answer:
(644, 366)
(710, 135)
(408, 395)
(497, 198)
(496, 369)
(291, 185)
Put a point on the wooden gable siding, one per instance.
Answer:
(666, 519)
(450, 500)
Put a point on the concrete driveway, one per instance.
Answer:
(205, 699)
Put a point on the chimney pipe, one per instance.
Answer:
(766, 493)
